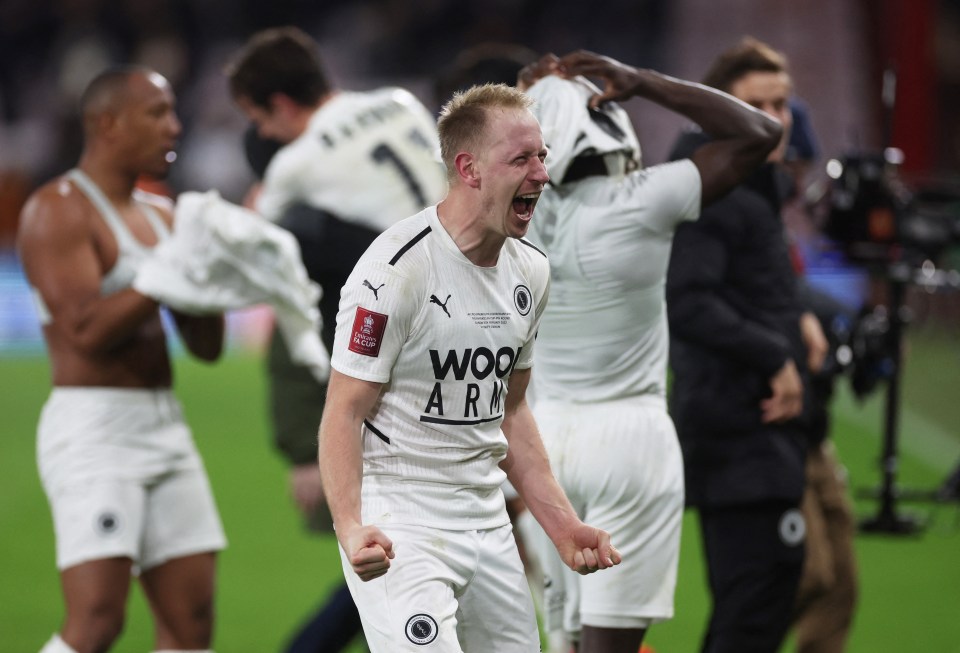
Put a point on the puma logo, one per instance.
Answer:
(368, 285)
(443, 304)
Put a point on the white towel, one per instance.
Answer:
(222, 257)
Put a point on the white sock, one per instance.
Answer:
(57, 645)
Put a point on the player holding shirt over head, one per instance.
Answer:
(600, 388)
(426, 412)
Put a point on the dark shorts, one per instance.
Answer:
(296, 406)
(296, 400)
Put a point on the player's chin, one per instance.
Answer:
(160, 170)
(519, 223)
(163, 162)
(518, 228)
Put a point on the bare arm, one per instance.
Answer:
(306, 488)
(743, 136)
(56, 246)
(349, 401)
(583, 548)
(203, 335)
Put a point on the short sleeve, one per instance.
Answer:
(377, 308)
(670, 191)
(540, 282)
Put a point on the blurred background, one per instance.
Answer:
(874, 74)
(840, 51)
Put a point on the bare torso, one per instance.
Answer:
(115, 340)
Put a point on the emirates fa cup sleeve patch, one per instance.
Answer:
(421, 629)
(368, 328)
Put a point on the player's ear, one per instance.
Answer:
(108, 123)
(466, 165)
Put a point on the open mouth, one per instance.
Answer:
(523, 205)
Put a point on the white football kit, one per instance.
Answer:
(124, 478)
(365, 161)
(600, 386)
(442, 335)
(605, 334)
(119, 466)
(353, 138)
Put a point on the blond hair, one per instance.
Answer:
(463, 120)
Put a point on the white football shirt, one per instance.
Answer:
(443, 335)
(371, 158)
(604, 335)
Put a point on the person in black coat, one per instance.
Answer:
(741, 346)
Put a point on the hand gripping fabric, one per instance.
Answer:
(222, 257)
(571, 128)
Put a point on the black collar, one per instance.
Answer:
(583, 167)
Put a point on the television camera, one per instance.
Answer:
(900, 235)
(879, 221)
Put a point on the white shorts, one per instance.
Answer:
(124, 478)
(620, 464)
(448, 591)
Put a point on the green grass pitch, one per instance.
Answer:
(274, 572)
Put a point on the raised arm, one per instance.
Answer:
(349, 401)
(582, 548)
(743, 136)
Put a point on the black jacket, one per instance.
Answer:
(734, 314)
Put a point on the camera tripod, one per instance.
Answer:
(889, 520)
